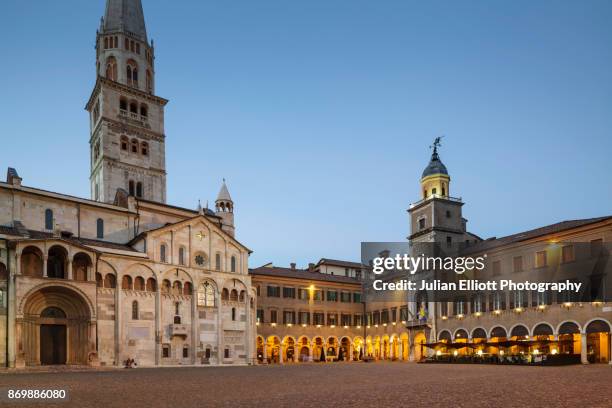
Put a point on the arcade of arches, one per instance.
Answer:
(276, 350)
(591, 343)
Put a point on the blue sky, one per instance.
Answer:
(320, 113)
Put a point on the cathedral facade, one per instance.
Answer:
(122, 275)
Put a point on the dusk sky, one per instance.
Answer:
(320, 113)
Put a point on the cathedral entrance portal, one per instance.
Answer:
(56, 328)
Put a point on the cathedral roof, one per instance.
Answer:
(224, 194)
(125, 16)
(435, 166)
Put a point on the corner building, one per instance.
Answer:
(123, 274)
(301, 312)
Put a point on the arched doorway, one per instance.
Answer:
(358, 351)
(395, 347)
(332, 348)
(273, 350)
(569, 338)
(497, 335)
(288, 349)
(598, 341)
(56, 328)
(345, 349)
(419, 349)
(304, 350)
(385, 348)
(376, 347)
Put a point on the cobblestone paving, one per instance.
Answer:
(347, 384)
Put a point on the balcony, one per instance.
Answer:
(448, 198)
(134, 118)
(179, 330)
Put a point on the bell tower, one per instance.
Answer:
(437, 217)
(127, 139)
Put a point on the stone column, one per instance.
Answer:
(69, 269)
(45, 258)
(248, 328)
(265, 352)
(220, 351)
(11, 304)
(158, 325)
(17, 263)
(194, 323)
(118, 320)
(583, 349)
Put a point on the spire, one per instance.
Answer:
(224, 194)
(125, 16)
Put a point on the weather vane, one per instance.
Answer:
(436, 143)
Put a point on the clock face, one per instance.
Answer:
(199, 260)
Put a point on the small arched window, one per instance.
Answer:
(139, 283)
(131, 187)
(111, 68)
(109, 281)
(144, 111)
(218, 262)
(181, 256)
(233, 264)
(139, 192)
(233, 314)
(132, 73)
(134, 310)
(162, 253)
(100, 228)
(165, 286)
(126, 282)
(151, 285)
(123, 105)
(144, 149)
(134, 146)
(49, 219)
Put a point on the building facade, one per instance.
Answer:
(412, 327)
(123, 274)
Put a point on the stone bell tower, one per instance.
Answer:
(127, 139)
(437, 217)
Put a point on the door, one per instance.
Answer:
(52, 344)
